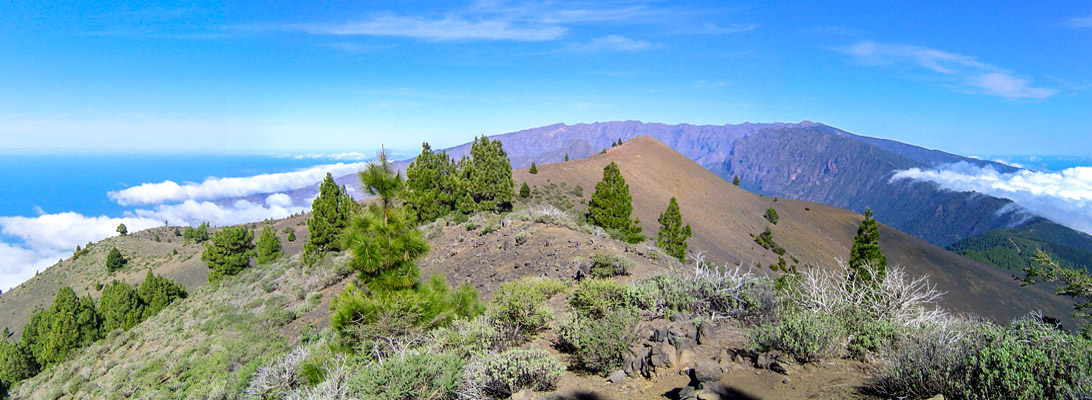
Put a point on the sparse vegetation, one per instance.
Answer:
(765, 239)
(608, 265)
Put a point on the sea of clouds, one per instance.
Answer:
(34, 243)
(1063, 196)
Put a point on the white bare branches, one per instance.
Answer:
(279, 375)
(898, 297)
(728, 291)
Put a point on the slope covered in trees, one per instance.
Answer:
(1014, 249)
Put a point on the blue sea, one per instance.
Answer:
(1043, 163)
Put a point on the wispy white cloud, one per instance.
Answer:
(450, 27)
(714, 29)
(1083, 22)
(501, 21)
(963, 72)
(611, 43)
(1008, 86)
(1064, 196)
(219, 188)
(704, 84)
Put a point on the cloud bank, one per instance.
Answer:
(963, 72)
(220, 188)
(31, 244)
(48, 238)
(1064, 197)
(41, 241)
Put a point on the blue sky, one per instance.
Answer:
(969, 77)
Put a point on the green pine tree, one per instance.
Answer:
(488, 175)
(566, 156)
(269, 246)
(673, 235)
(197, 235)
(1075, 283)
(123, 230)
(525, 191)
(16, 364)
(156, 293)
(73, 323)
(735, 180)
(114, 260)
(383, 240)
(34, 334)
(771, 215)
(291, 235)
(120, 307)
(534, 169)
(611, 205)
(866, 251)
(430, 185)
(228, 252)
(329, 217)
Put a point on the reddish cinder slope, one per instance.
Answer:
(723, 216)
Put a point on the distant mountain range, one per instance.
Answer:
(815, 162)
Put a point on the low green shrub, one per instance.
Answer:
(416, 376)
(597, 344)
(597, 297)
(1029, 359)
(872, 338)
(501, 375)
(467, 338)
(662, 294)
(519, 308)
(808, 336)
(608, 265)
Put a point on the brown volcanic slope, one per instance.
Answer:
(722, 216)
